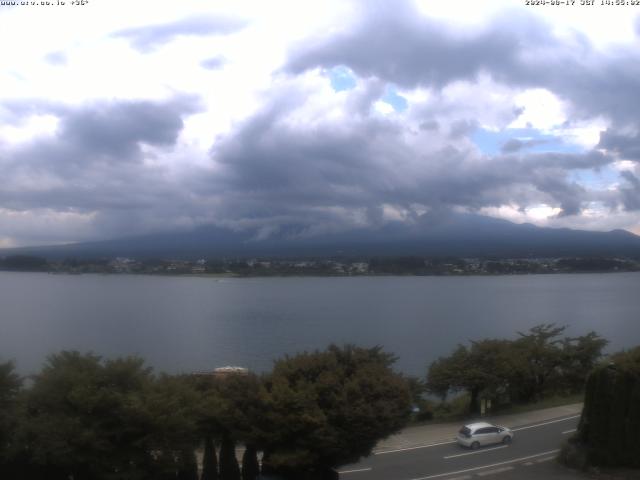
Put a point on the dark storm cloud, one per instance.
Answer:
(627, 147)
(631, 193)
(94, 160)
(117, 129)
(271, 169)
(147, 38)
(394, 42)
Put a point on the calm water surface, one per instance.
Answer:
(181, 324)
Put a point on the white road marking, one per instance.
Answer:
(540, 460)
(465, 477)
(488, 466)
(569, 431)
(527, 464)
(413, 448)
(497, 470)
(477, 451)
(355, 471)
(546, 423)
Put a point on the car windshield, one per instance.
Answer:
(464, 431)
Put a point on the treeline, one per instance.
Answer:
(85, 418)
(539, 363)
(390, 265)
(24, 263)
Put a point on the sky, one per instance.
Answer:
(120, 118)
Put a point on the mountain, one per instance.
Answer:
(432, 234)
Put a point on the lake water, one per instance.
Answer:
(182, 324)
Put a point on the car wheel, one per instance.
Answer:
(475, 445)
(506, 440)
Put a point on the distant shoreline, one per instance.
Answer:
(220, 276)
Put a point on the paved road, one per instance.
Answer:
(533, 445)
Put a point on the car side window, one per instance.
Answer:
(482, 431)
(494, 430)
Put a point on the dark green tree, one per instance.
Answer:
(10, 385)
(86, 417)
(608, 428)
(484, 369)
(579, 356)
(171, 419)
(230, 409)
(329, 408)
(250, 465)
(539, 356)
(229, 469)
(209, 460)
(94, 419)
(188, 465)
(525, 369)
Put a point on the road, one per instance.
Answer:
(533, 445)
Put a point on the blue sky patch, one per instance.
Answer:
(600, 179)
(391, 96)
(342, 78)
(516, 140)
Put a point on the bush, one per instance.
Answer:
(573, 454)
(610, 420)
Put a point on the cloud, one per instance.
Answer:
(214, 63)
(97, 168)
(626, 146)
(515, 145)
(273, 169)
(116, 129)
(387, 114)
(631, 193)
(56, 58)
(150, 37)
(397, 43)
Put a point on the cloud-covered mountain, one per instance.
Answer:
(342, 115)
(432, 234)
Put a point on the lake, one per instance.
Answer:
(183, 324)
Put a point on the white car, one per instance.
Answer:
(478, 434)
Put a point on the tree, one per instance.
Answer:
(86, 417)
(188, 465)
(229, 469)
(230, 409)
(10, 384)
(94, 419)
(444, 375)
(525, 369)
(580, 356)
(610, 421)
(484, 369)
(250, 465)
(209, 460)
(26, 263)
(171, 421)
(540, 355)
(329, 408)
